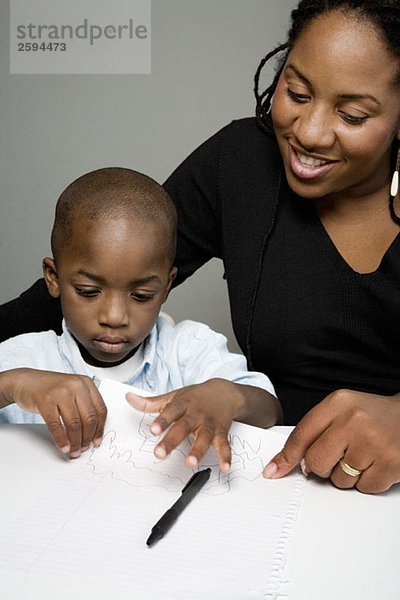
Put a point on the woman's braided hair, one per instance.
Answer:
(384, 15)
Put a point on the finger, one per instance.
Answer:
(101, 415)
(341, 480)
(89, 417)
(324, 454)
(379, 477)
(175, 436)
(149, 405)
(303, 435)
(57, 431)
(203, 439)
(73, 426)
(170, 413)
(351, 460)
(223, 448)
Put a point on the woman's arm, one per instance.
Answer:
(33, 310)
(195, 189)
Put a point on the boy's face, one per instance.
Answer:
(112, 280)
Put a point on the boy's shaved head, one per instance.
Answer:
(113, 192)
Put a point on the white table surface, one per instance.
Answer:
(345, 545)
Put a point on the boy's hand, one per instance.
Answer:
(205, 410)
(71, 406)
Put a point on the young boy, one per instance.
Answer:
(113, 244)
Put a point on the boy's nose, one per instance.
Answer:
(114, 313)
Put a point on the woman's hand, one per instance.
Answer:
(361, 429)
(71, 405)
(205, 410)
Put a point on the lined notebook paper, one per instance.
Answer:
(93, 521)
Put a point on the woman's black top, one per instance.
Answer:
(300, 313)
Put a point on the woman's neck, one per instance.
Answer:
(361, 228)
(354, 210)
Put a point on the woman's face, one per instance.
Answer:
(336, 109)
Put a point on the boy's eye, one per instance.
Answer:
(142, 297)
(86, 292)
(296, 96)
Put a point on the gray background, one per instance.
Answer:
(55, 128)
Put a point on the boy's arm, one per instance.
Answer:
(223, 391)
(259, 407)
(207, 410)
(70, 405)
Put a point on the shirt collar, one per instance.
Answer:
(71, 353)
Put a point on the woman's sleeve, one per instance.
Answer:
(33, 310)
(195, 188)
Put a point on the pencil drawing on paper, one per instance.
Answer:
(129, 458)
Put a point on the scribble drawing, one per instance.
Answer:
(130, 459)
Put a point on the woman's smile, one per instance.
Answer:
(306, 166)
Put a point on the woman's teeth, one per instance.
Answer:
(310, 162)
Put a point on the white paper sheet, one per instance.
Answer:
(92, 523)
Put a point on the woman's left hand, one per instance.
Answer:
(361, 430)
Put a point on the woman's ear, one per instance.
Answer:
(51, 277)
(171, 277)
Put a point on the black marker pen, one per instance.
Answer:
(190, 490)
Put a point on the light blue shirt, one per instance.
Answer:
(174, 356)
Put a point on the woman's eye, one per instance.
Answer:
(353, 120)
(297, 97)
(86, 292)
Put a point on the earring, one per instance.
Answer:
(394, 188)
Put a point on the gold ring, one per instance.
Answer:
(348, 469)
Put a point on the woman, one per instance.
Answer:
(299, 205)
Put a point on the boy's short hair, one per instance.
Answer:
(113, 192)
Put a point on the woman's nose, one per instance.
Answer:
(314, 129)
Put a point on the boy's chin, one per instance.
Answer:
(112, 362)
(105, 360)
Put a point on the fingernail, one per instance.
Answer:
(192, 461)
(97, 442)
(65, 449)
(84, 448)
(75, 454)
(270, 470)
(155, 429)
(160, 452)
(225, 467)
(303, 467)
